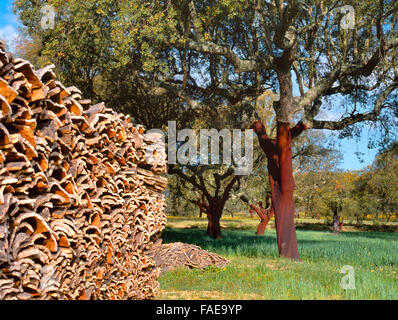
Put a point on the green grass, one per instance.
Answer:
(256, 271)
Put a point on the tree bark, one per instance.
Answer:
(213, 209)
(216, 207)
(336, 223)
(280, 173)
(336, 207)
(265, 215)
(284, 211)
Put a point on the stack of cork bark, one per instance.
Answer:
(80, 193)
(169, 256)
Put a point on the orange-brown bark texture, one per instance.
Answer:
(280, 172)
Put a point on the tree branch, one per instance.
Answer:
(228, 188)
(297, 129)
(359, 117)
(190, 179)
(241, 65)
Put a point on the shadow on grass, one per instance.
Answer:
(371, 235)
(239, 242)
(199, 237)
(350, 234)
(238, 237)
(354, 248)
(232, 242)
(321, 226)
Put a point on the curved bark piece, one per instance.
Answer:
(6, 91)
(5, 108)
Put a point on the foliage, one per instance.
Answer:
(86, 47)
(218, 64)
(383, 183)
(318, 160)
(369, 193)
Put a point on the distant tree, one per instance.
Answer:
(178, 194)
(362, 201)
(215, 180)
(383, 183)
(216, 189)
(340, 197)
(316, 157)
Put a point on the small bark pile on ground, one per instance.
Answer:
(172, 255)
(80, 193)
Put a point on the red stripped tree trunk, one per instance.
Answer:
(280, 173)
(284, 217)
(264, 214)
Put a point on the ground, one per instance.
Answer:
(256, 271)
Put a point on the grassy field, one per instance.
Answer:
(256, 272)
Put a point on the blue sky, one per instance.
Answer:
(8, 22)
(350, 146)
(9, 30)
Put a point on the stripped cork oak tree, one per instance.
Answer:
(265, 214)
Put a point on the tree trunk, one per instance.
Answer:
(264, 214)
(215, 230)
(283, 198)
(216, 207)
(280, 172)
(336, 222)
(209, 224)
(264, 222)
(213, 209)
